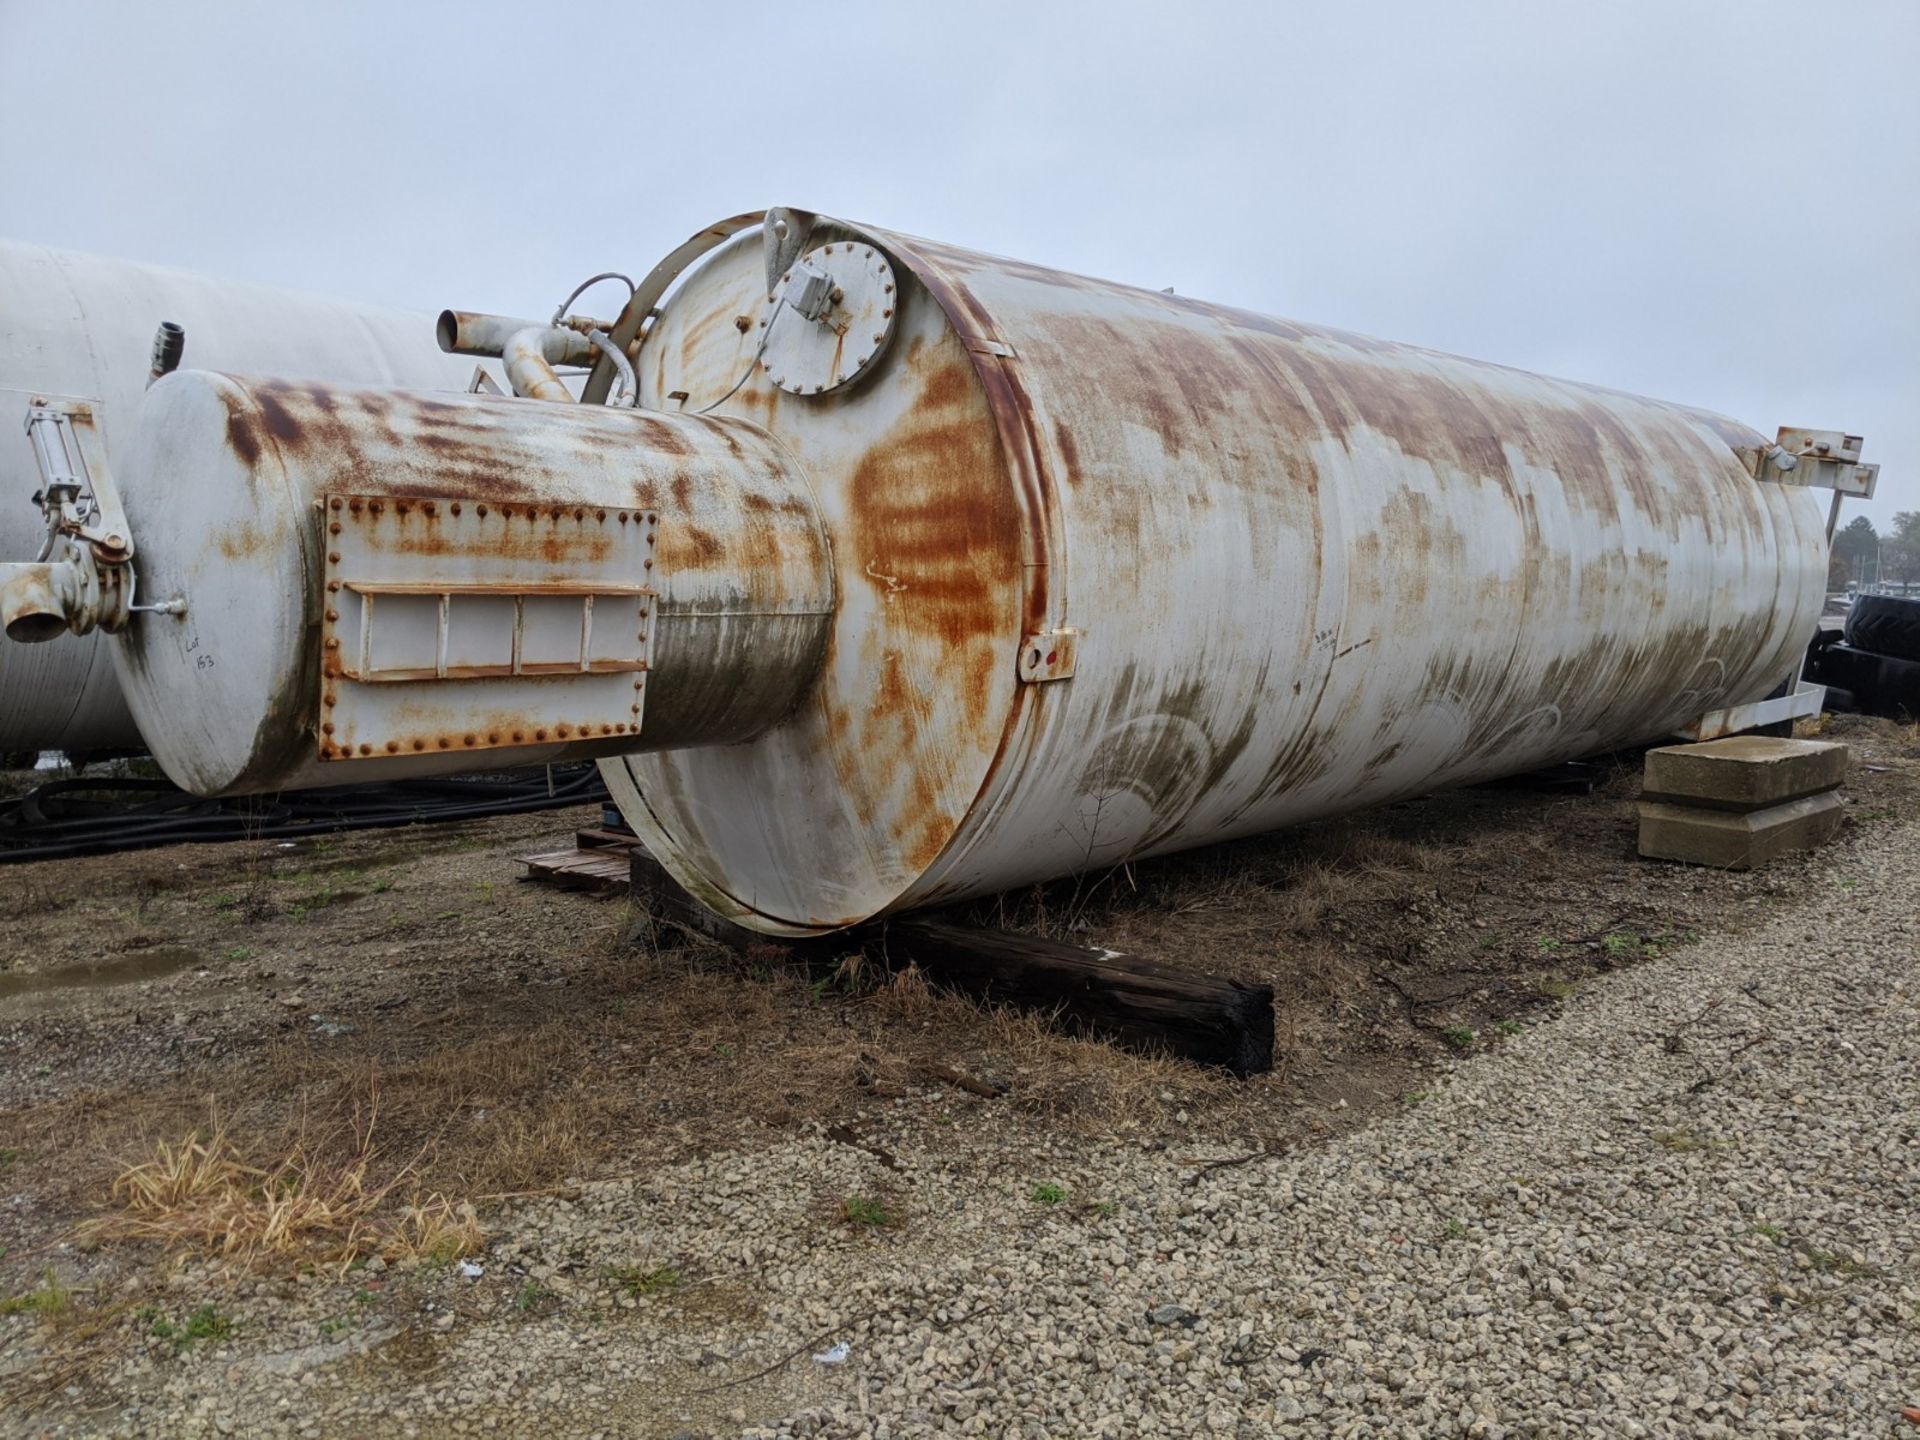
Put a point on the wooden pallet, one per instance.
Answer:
(600, 863)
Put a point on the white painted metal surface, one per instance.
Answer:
(81, 327)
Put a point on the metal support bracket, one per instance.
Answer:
(77, 494)
(1048, 655)
(1804, 701)
(1818, 459)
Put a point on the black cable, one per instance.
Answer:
(55, 820)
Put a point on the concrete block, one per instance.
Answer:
(1743, 772)
(1737, 840)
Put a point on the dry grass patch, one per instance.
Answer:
(1085, 1084)
(691, 1050)
(199, 1193)
(1900, 736)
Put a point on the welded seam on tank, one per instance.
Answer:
(672, 852)
(1044, 588)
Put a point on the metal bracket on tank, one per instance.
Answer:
(1802, 702)
(1822, 459)
(83, 577)
(982, 346)
(1818, 459)
(1048, 655)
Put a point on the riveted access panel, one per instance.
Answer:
(458, 625)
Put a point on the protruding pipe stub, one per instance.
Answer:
(529, 349)
(169, 348)
(529, 357)
(33, 602)
(466, 332)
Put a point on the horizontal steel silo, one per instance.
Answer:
(82, 327)
(914, 573)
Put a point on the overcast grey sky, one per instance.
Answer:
(1710, 202)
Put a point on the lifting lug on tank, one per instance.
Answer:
(83, 577)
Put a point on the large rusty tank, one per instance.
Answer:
(82, 327)
(897, 573)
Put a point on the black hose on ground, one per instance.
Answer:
(83, 816)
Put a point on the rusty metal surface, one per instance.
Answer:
(482, 523)
(1305, 571)
(1069, 573)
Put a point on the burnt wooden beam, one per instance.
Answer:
(1136, 1003)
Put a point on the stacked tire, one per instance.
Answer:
(1885, 625)
(1874, 665)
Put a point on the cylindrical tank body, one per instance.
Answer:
(82, 327)
(413, 570)
(1076, 572)
(1308, 571)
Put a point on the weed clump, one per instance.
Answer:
(644, 1282)
(50, 1300)
(206, 1323)
(868, 1212)
(198, 1193)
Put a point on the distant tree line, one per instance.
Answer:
(1863, 556)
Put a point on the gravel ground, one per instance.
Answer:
(1687, 1204)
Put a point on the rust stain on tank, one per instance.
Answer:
(666, 438)
(1016, 427)
(281, 422)
(687, 546)
(244, 540)
(240, 428)
(931, 549)
(1069, 451)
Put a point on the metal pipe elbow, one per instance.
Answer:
(529, 355)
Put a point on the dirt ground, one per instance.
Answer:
(402, 1009)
